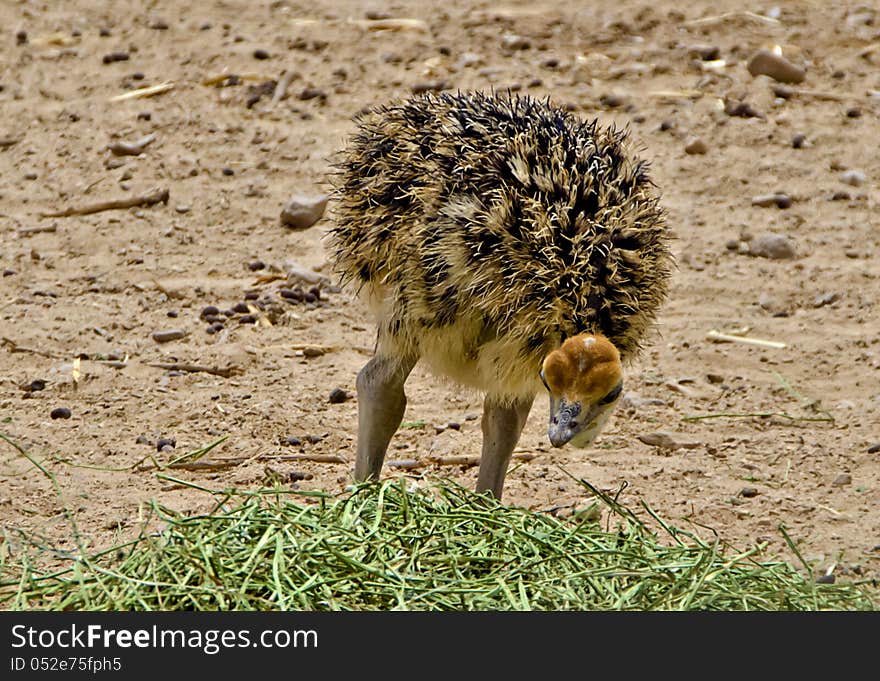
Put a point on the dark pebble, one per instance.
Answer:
(260, 53)
(242, 308)
(256, 265)
(798, 140)
(310, 297)
(8, 272)
(165, 442)
(228, 313)
(206, 26)
(172, 313)
(36, 385)
(313, 439)
(209, 311)
(291, 441)
(338, 395)
(741, 109)
(215, 327)
(251, 295)
(142, 440)
(296, 476)
(60, 413)
(453, 425)
(840, 195)
(853, 112)
(159, 25)
(748, 492)
(247, 319)
(874, 448)
(611, 101)
(826, 579)
(104, 32)
(228, 171)
(295, 295)
(312, 93)
(137, 75)
(315, 291)
(144, 116)
(21, 38)
(115, 56)
(170, 335)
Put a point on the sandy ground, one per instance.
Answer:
(788, 435)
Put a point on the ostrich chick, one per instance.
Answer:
(507, 245)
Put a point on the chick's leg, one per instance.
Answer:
(502, 426)
(381, 403)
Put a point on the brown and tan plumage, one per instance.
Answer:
(508, 245)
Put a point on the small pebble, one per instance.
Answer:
(115, 56)
(172, 313)
(338, 395)
(842, 479)
(854, 112)
(778, 200)
(313, 439)
(227, 171)
(36, 385)
(209, 311)
(163, 442)
(291, 441)
(168, 335)
(740, 109)
(798, 140)
(142, 440)
(511, 41)
(840, 195)
(312, 93)
(247, 319)
(21, 38)
(854, 178)
(104, 32)
(826, 579)
(453, 425)
(8, 273)
(216, 327)
(826, 299)
(748, 492)
(766, 63)
(772, 246)
(260, 53)
(301, 212)
(715, 379)
(705, 52)
(158, 25)
(242, 308)
(60, 413)
(256, 265)
(696, 146)
(874, 448)
(296, 294)
(667, 125)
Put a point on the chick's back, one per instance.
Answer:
(486, 229)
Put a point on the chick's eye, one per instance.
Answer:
(544, 381)
(613, 395)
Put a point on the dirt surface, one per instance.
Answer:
(788, 435)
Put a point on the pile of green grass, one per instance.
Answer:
(438, 548)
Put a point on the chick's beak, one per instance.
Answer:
(572, 422)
